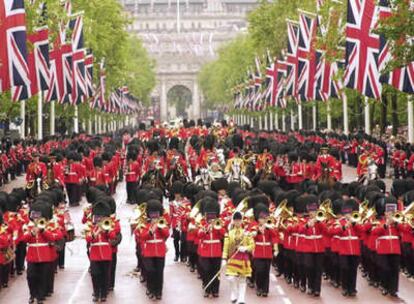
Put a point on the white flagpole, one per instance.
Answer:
(76, 120)
(367, 118)
(52, 117)
(300, 125)
(328, 115)
(23, 117)
(345, 113)
(39, 116)
(277, 121)
(90, 125)
(314, 116)
(292, 121)
(260, 123)
(284, 121)
(271, 121)
(266, 126)
(410, 119)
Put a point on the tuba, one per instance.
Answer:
(321, 215)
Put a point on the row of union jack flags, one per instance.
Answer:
(62, 71)
(302, 73)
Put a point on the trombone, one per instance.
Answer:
(161, 223)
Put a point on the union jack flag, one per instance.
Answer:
(292, 59)
(78, 56)
(14, 70)
(362, 49)
(268, 81)
(39, 60)
(89, 75)
(257, 102)
(306, 57)
(60, 84)
(279, 85)
(400, 78)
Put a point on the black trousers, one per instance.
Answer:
(262, 274)
(349, 268)
(61, 256)
(20, 256)
(74, 193)
(299, 268)
(176, 240)
(113, 270)
(131, 188)
(192, 254)
(287, 263)
(37, 279)
(279, 260)
(4, 274)
(154, 269)
(50, 274)
(209, 268)
(390, 270)
(336, 269)
(374, 267)
(100, 272)
(313, 263)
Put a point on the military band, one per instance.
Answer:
(234, 201)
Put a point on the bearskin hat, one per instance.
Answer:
(39, 209)
(174, 142)
(261, 211)
(177, 187)
(219, 184)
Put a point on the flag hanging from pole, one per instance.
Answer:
(14, 70)
(362, 49)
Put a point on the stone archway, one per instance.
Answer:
(189, 82)
(179, 100)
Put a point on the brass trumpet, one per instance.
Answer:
(106, 224)
(398, 217)
(41, 223)
(3, 228)
(162, 223)
(356, 217)
(218, 224)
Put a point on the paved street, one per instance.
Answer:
(73, 285)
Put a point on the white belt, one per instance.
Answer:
(348, 238)
(211, 241)
(154, 241)
(312, 237)
(38, 244)
(263, 243)
(388, 237)
(100, 244)
(336, 237)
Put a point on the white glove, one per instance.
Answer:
(223, 263)
(242, 249)
(275, 253)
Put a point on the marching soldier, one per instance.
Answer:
(153, 237)
(98, 236)
(40, 253)
(210, 235)
(265, 240)
(131, 177)
(179, 209)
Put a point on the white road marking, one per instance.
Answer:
(280, 290)
(78, 286)
(286, 300)
(272, 277)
